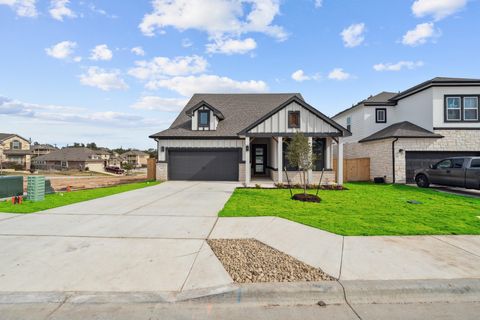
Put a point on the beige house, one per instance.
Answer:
(70, 159)
(136, 158)
(14, 150)
(42, 149)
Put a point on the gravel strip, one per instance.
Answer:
(249, 260)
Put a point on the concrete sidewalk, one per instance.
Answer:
(362, 258)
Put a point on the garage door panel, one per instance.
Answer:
(422, 159)
(206, 165)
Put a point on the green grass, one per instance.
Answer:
(365, 209)
(66, 198)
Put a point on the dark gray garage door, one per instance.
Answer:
(422, 159)
(203, 164)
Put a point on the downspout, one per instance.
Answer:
(393, 159)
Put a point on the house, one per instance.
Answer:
(401, 132)
(105, 155)
(72, 158)
(237, 137)
(42, 149)
(136, 158)
(14, 150)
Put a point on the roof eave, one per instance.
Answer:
(432, 136)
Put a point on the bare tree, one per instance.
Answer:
(299, 154)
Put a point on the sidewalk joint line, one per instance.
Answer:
(455, 246)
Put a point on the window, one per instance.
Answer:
(475, 163)
(349, 124)
(470, 108)
(445, 164)
(294, 119)
(458, 163)
(318, 150)
(203, 118)
(381, 115)
(16, 145)
(454, 108)
(461, 109)
(64, 164)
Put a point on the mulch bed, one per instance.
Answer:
(249, 260)
(306, 197)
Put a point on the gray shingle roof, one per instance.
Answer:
(134, 152)
(239, 110)
(403, 129)
(4, 136)
(69, 154)
(379, 99)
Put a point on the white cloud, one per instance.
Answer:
(138, 51)
(186, 86)
(23, 8)
(300, 76)
(420, 34)
(339, 74)
(160, 104)
(59, 9)
(353, 35)
(398, 66)
(318, 3)
(75, 115)
(159, 67)
(232, 46)
(101, 52)
(216, 17)
(61, 50)
(438, 9)
(103, 79)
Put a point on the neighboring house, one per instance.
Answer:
(42, 149)
(136, 158)
(238, 137)
(70, 159)
(15, 150)
(105, 155)
(401, 132)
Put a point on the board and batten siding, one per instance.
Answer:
(213, 120)
(278, 122)
(197, 143)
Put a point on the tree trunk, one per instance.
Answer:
(304, 184)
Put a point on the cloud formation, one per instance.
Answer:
(353, 35)
(398, 66)
(61, 50)
(103, 79)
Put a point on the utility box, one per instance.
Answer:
(36, 188)
(11, 186)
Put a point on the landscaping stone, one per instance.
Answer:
(249, 260)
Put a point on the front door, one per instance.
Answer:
(259, 158)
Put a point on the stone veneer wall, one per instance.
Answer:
(241, 172)
(294, 176)
(162, 171)
(380, 152)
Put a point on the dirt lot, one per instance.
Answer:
(88, 182)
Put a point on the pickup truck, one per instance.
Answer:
(463, 172)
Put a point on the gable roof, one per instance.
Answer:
(240, 111)
(134, 152)
(438, 81)
(69, 154)
(301, 102)
(206, 104)
(4, 136)
(380, 99)
(403, 129)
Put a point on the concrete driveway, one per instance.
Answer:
(151, 239)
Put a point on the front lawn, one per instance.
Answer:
(365, 209)
(65, 198)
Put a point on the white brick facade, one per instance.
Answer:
(162, 171)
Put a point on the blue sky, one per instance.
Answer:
(116, 71)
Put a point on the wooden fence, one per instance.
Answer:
(355, 169)
(152, 169)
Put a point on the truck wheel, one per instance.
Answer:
(422, 181)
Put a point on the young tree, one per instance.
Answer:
(299, 154)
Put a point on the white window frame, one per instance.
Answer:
(459, 108)
(16, 145)
(465, 108)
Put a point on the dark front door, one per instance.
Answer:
(259, 156)
(203, 164)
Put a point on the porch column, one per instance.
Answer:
(340, 162)
(328, 154)
(310, 172)
(247, 160)
(280, 159)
